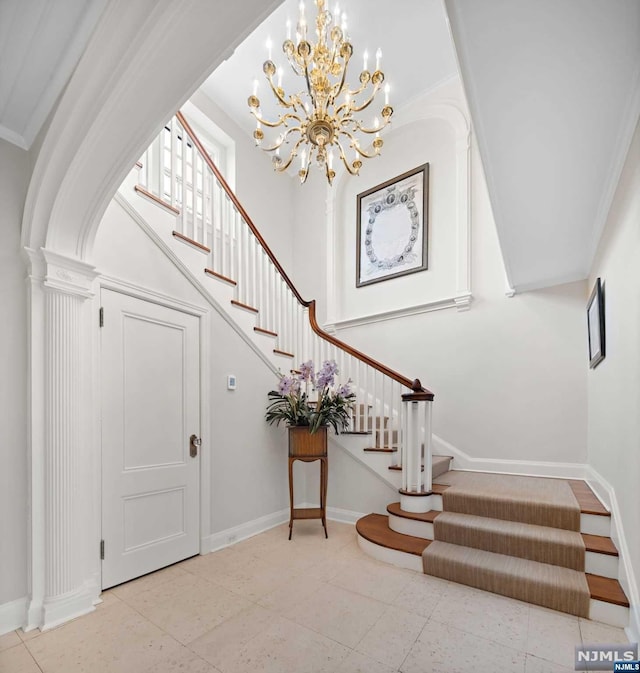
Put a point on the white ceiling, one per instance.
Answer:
(41, 42)
(417, 52)
(554, 92)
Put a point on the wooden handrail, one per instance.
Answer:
(414, 385)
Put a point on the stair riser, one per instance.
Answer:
(396, 558)
(522, 590)
(422, 529)
(595, 525)
(609, 613)
(569, 554)
(601, 564)
(421, 504)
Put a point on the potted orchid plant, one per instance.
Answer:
(312, 399)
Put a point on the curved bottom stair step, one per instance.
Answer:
(375, 529)
(602, 591)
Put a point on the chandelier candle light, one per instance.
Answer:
(320, 120)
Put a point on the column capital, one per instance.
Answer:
(64, 274)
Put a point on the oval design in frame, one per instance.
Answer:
(392, 228)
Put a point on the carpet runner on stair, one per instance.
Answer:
(535, 500)
(539, 583)
(537, 543)
(516, 536)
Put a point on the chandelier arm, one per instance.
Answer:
(282, 137)
(343, 158)
(365, 105)
(364, 154)
(282, 120)
(357, 148)
(377, 129)
(345, 65)
(357, 92)
(292, 155)
(276, 92)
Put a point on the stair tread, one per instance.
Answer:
(543, 544)
(435, 460)
(607, 590)
(600, 588)
(428, 517)
(381, 449)
(599, 544)
(587, 499)
(513, 527)
(375, 528)
(239, 304)
(219, 276)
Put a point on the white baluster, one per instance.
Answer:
(428, 446)
(173, 173)
(184, 215)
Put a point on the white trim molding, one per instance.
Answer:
(12, 615)
(605, 491)
(462, 302)
(230, 536)
(463, 461)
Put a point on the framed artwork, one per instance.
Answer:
(393, 228)
(595, 324)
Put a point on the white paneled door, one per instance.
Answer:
(150, 409)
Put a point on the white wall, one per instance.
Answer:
(14, 174)
(509, 375)
(614, 385)
(248, 459)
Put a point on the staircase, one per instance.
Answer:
(178, 197)
(571, 566)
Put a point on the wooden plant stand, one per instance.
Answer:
(309, 447)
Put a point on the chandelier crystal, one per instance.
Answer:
(323, 119)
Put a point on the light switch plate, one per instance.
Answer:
(231, 382)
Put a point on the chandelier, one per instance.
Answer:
(321, 120)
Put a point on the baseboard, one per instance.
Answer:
(12, 615)
(337, 514)
(464, 461)
(343, 515)
(61, 609)
(230, 536)
(626, 577)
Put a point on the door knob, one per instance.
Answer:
(194, 443)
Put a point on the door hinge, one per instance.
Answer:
(101, 319)
(102, 550)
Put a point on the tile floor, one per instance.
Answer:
(306, 606)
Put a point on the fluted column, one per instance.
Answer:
(62, 421)
(60, 363)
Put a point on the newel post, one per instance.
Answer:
(415, 494)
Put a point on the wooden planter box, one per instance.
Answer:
(303, 444)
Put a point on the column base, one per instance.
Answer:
(60, 609)
(419, 502)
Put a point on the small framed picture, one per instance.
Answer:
(595, 324)
(392, 228)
